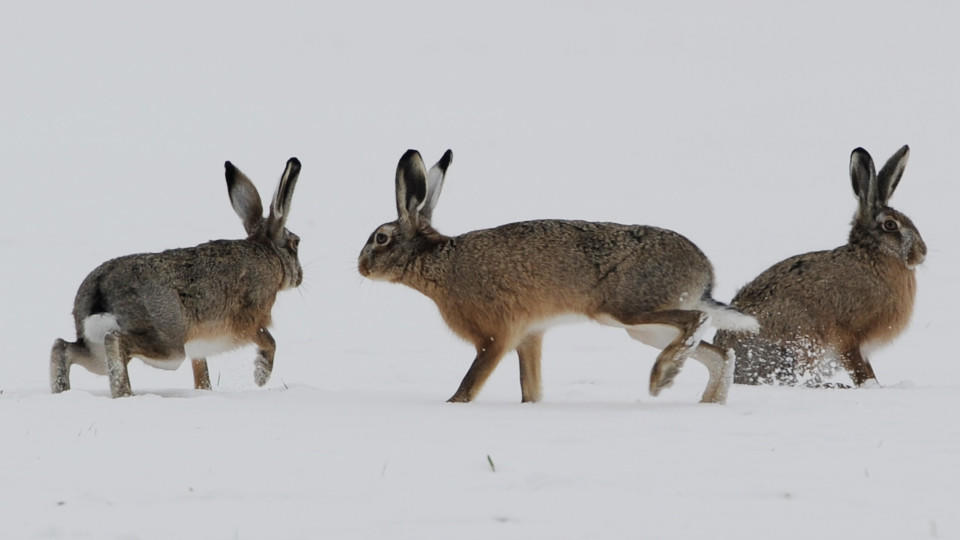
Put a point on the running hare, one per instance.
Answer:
(825, 309)
(501, 288)
(199, 301)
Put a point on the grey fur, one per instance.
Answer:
(822, 311)
(500, 288)
(222, 290)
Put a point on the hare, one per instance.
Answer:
(827, 309)
(502, 288)
(198, 301)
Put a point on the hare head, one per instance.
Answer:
(393, 247)
(876, 224)
(271, 230)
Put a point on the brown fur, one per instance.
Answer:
(500, 288)
(511, 277)
(222, 291)
(818, 311)
(201, 374)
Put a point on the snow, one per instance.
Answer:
(731, 123)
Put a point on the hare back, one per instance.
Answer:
(597, 263)
(843, 297)
(211, 292)
(528, 272)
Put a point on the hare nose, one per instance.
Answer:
(919, 251)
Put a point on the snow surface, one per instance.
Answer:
(730, 122)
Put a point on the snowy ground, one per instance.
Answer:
(730, 123)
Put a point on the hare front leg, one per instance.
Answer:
(488, 356)
(117, 360)
(858, 367)
(201, 374)
(263, 365)
(529, 353)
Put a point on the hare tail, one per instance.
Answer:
(724, 317)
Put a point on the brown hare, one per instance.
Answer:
(827, 309)
(502, 288)
(192, 302)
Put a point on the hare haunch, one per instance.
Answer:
(198, 301)
(828, 309)
(501, 288)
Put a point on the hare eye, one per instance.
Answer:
(381, 238)
(890, 225)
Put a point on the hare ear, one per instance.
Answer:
(243, 197)
(280, 206)
(435, 177)
(889, 176)
(411, 190)
(864, 179)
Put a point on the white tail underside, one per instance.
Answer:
(726, 318)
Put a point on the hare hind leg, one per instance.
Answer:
(64, 354)
(117, 359)
(529, 350)
(680, 337)
(60, 366)
(720, 365)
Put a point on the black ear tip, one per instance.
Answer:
(294, 164)
(230, 172)
(445, 160)
(410, 162)
(861, 157)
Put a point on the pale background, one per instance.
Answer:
(729, 122)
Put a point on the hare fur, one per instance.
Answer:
(501, 288)
(826, 310)
(191, 302)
